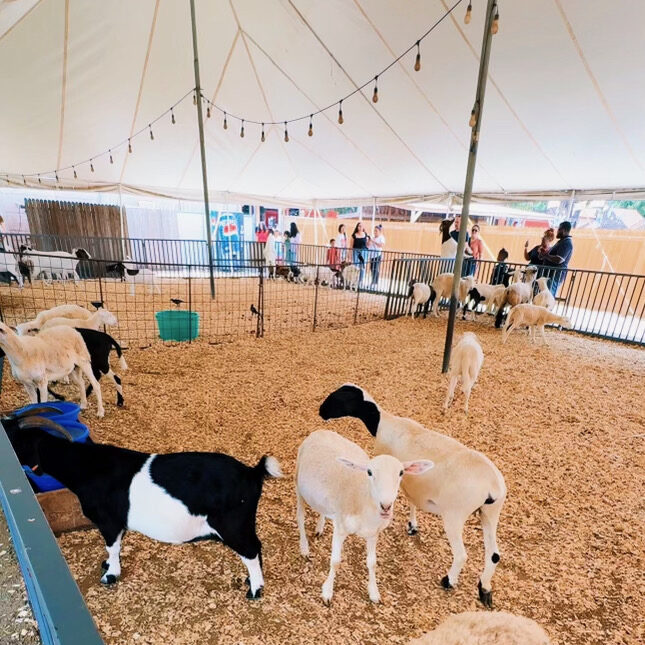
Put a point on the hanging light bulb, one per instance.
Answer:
(56, 175)
(129, 146)
(242, 130)
(208, 110)
(225, 122)
(494, 28)
(172, 116)
(473, 118)
(24, 181)
(91, 165)
(417, 62)
(375, 95)
(194, 98)
(75, 175)
(111, 160)
(286, 134)
(262, 138)
(152, 136)
(40, 182)
(310, 132)
(469, 11)
(341, 120)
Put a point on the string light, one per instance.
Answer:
(40, 182)
(469, 11)
(417, 62)
(262, 138)
(495, 26)
(24, 181)
(286, 133)
(75, 175)
(152, 136)
(111, 160)
(242, 130)
(375, 95)
(56, 175)
(225, 122)
(208, 110)
(194, 98)
(473, 117)
(91, 165)
(341, 120)
(310, 132)
(129, 146)
(172, 117)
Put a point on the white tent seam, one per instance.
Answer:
(15, 24)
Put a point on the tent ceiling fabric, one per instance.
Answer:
(563, 107)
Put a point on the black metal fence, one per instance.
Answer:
(248, 302)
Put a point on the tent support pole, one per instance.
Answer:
(202, 149)
(470, 173)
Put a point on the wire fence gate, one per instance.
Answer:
(252, 301)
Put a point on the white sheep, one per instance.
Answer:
(462, 481)
(338, 480)
(534, 317)
(420, 294)
(489, 628)
(9, 264)
(466, 361)
(51, 263)
(442, 286)
(50, 356)
(491, 295)
(351, 276)
(517, 293)
(544, 297)
(60, 311)
(95, 321)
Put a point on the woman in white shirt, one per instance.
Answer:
(377, 244)
(341, 242)
(294, 236)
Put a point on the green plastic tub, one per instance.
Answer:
(178, 325)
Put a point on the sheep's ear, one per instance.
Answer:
(352, 464)
(417, 467)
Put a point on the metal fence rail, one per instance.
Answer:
(248, 302)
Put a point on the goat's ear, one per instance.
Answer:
(417, 467)
(13, 328)
(352, 464)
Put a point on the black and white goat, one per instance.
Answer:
(52, 263)
(128, 273)
(175, 498)
(99, 345)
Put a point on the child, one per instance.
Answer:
(333, 256)
(500, 272)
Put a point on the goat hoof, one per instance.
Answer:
(412, 530)
(104, 566)
(247, 581)
(486, 597)
(119, 403)
(109, 579)
(254, 596)
(445, 583)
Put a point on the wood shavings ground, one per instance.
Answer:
(558, 421)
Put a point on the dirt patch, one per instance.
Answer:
(558, 421)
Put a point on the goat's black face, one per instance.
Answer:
(24, 443)
(349, 401)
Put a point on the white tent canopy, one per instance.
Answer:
(563, 107)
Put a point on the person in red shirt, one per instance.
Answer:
(333, 256)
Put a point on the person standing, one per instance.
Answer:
(359, 248)
(537, 253)
(294, 237)
(559, 256)
(341, 242)
(376, 253)
(270, 253)
(454, 234)
(477, 247)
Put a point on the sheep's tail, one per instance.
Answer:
(119, 353)
(268, 467)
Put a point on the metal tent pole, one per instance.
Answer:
(491, 9)
(202, 148)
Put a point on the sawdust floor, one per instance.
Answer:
(559, 422)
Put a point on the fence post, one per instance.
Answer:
(259, 332)
(358, 293)
(316, 284)
(190, 305)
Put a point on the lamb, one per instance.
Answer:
(9, 264)
(61, 311)
(492, 628)
(442, 286)
(517, 293)
(99, 345)
(534, 317)
(135, 276)
(489, 294)
(338, 480)
(95, 321)
(462, 481)
(351, 276)
(544, 297)
(467, 359)
(175, 498)
(50, 356)
(420, 294)
(51, 263)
